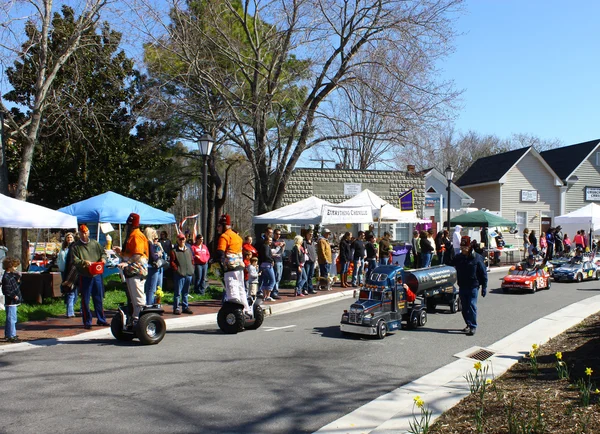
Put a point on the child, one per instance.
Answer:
(11, 288)
(253, 276)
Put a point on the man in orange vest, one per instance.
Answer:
(229, 253)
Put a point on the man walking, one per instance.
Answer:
(358, 260)
(471, 274)
(277, 249)
(384, 249)
(85, 252)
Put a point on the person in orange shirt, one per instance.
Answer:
(134, 256)
(229, 253)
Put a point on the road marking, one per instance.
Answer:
(271, 329)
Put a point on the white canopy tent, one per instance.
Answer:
(382, 210)
(305, 212)
(586, 217)
(24, 215)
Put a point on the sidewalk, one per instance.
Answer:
(61, 327)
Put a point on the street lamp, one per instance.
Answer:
(205, 144)
(449, 175)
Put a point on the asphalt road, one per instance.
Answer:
(294, 374)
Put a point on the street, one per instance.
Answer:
(295, 374)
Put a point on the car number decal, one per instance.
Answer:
(590, 273)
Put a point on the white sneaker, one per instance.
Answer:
(269, 299)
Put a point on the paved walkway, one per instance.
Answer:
(61, 327)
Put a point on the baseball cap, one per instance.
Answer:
(326, 231)
(180, 237)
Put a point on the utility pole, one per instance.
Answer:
(346, 161)
(323, 161)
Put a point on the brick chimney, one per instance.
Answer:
(410, 168)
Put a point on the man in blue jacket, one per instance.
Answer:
(471, 274)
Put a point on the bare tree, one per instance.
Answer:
(49, 64)
(262, 72)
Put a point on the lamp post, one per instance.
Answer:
(449, 175)
(205, 144)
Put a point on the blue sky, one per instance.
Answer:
(528, 66)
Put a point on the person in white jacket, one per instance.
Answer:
(456, 239)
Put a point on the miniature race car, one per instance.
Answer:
(577, 271)
(528, 279)
(384, 303)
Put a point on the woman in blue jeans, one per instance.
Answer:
(427, 249)
(154, 271)
(65, 262)
(297, 260)
(267, 274)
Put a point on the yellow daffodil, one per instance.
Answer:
(597, 391)
(417, 398)
(558, 355)
(535, 347)
(159, 292)
(477, 366)
(588, 371)
(419, 402)
(488, 381)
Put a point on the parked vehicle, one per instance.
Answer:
(392, 296)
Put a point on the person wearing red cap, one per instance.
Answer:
(229, 253)
(85, 252)
(134, 255)
(470, 275)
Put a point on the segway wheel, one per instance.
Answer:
(259, 317)
(116, 328)
(381, 329)
(231, 319)
(151, 329)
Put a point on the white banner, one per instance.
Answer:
(332, 214)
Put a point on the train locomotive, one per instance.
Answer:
(393, 296)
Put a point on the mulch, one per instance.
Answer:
(560, 408)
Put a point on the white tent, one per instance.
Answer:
(24, 215)
(304, 212)
(586, 217)
(382, 209)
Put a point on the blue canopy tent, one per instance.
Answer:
(111, 207)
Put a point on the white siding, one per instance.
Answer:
(589, 176)
(529, 174)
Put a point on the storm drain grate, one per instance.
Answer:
(481, 355)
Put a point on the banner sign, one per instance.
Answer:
(332, 214)
(529, 195)
(407, 201)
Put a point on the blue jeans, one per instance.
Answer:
(309, 269)
(10, 329)
(161, 277)
(468, 298)
(151, 284)
(278, 270)
(384, 260)
(372, 263)
(200, 271)
(324, 269)
(267, 281)
(300, 280)
(94, 288)
(357, 272)
(70, 300)
(182, 289)
(425, 259)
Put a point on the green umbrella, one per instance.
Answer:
(480, 218)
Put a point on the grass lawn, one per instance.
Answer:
(113, 296)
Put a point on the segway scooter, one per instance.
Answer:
(232, 319)
(150, 328)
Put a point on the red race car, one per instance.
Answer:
(528, 279)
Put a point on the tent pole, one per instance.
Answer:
(98, 233)
(120, 241)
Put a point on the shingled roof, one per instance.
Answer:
(565, 160)
(490, 169)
